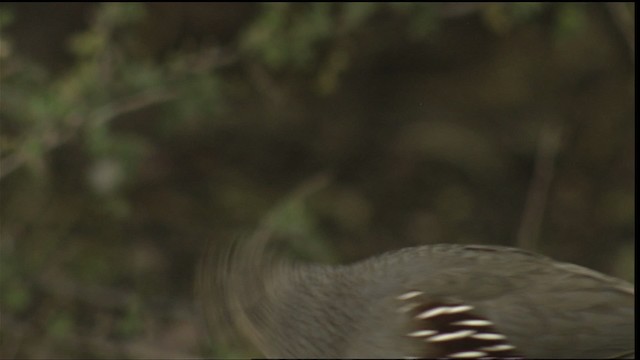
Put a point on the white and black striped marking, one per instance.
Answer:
(452, 330)
(409, 295)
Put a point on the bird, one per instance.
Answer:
(431, 301)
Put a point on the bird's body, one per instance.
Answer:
(429, 301)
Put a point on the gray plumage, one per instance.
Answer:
(543, 308)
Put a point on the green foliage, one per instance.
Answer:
(107, 81)
(60, 325)
(502, 17)
(16, 295)
(571, 20)
(6, 18)
(423, 20)
(525, 11)
(45, 112)
(131, 322)
(286, 35)
(134, 140)
(292, 219)
(280, 39)
(356, 14)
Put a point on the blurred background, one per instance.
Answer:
(134, 135)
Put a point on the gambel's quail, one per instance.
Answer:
(435, 301)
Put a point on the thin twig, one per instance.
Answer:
(106, 113)
(538, 193)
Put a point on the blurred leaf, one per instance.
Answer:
(16, 298)
(525, 11)
(88, 44)
(280, 39)
(131, 323)
(15, 295)
(118, 14)
(423, 20)
(60, 325)
(571, 20)
(502, 17)
(141, 76)
(293, 219)
(6, 17)
(265, 37)
(354, 14)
